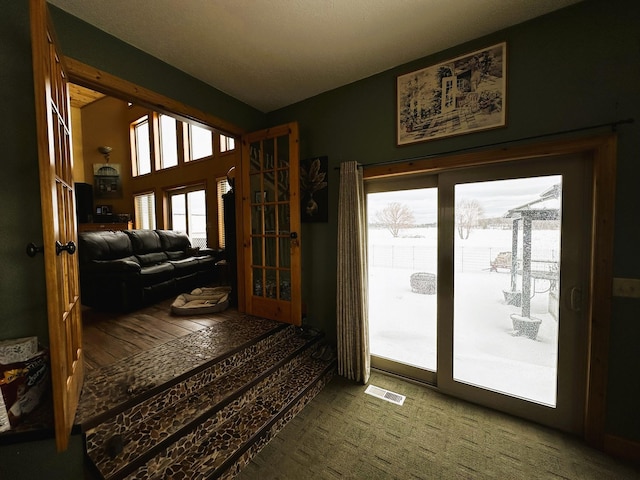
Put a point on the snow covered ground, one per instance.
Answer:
(486, 353)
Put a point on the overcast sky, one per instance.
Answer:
(496, 197)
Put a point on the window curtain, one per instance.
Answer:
(352, 301)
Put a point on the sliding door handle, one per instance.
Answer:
(575, 299)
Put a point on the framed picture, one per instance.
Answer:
(314, 189)
(462, 95)
(106, 180)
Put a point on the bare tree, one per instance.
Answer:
(394, 217)
(468, 215)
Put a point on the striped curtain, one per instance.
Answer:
(352, 301)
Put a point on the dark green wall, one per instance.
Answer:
(574, 68)
(22, 289)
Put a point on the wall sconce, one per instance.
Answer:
(105, 151)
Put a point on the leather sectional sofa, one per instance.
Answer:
(125, 270)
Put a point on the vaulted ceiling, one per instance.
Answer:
(272, 53)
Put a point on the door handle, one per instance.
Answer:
(33, 249)
(70, 247)
(294, 239)
(575, 299)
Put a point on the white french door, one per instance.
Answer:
(479, 293)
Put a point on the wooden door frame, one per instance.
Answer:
(602, 151)
(94, 78)
(104, 82)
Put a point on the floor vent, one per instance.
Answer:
(385, 394)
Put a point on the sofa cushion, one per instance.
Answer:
(185, 266)
(207, 261)
(173, 241)
(144, 241)
(153, 274)
(103, 245)
(176, 255)
(151, 258)
(118, 265)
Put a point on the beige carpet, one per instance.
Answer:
(345, 434)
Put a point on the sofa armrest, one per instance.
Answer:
(111, 266)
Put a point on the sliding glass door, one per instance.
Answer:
(482, 299)
(403, 261)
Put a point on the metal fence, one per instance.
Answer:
(467, 259)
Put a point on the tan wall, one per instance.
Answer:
(76, 144)
(104, 123)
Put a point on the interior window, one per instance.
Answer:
(142, 147)
(227, 144)
(222, 188)
(145, 211)
(200, 142)
(168, 142)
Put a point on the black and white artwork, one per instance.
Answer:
(462, 95)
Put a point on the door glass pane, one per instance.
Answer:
(256, 220)
(268, 146)
(506, 284)
(270, 251)
(285, 257)
(197, 222)
(256, 188)
(256, 243)
(283, 151)
(269, 192)
(179, 213)
(254, 157)
(283, 185)
(283, 219)
(258, 291)
(285, 285)
(271, 283)
(402, 253)
(269, 219)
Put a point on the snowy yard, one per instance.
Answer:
(486, 353)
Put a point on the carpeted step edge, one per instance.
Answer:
(241, 459)
(203, 447)
(234, 400)
(213, 366)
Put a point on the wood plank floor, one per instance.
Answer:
(110, 337)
